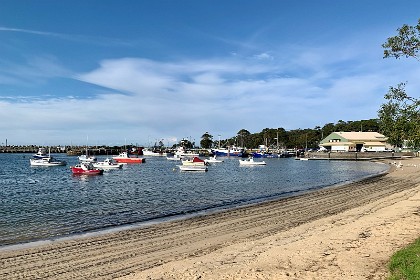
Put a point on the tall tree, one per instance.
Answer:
(243, 136)
(206, 141)
(400, 116)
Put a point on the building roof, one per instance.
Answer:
(362, 136)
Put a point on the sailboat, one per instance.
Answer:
(87, 158)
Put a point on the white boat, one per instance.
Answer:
(47, 161)
(193, 167)
(182, 153)
(107, 164)
(251, 161)
(86, 158)
(42, 153)
(213, 160)
(195, 161)
(175, 157)
(150, 152)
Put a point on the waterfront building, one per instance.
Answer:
(355, 142)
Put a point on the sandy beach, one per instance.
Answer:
(345, 232)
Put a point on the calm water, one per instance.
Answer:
(44, 202)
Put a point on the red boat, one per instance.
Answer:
(124, 158)
(86, 168)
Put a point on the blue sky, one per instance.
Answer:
(122, 72)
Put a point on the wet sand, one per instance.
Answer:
(346, 232)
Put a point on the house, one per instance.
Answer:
(355, 142)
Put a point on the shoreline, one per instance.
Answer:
(227, 244)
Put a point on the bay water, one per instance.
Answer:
(39, 203)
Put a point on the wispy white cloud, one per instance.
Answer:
(8, 29)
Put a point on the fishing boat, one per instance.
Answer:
(250, 161)
(107, 164)
(86, 168)
(43, 159)
(47, 161)
(42, 153)
(193, 167)
(125, 158)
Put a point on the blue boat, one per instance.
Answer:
(264, 155)
(230, 151)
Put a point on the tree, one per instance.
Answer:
(186, 144)
(400, 118)
(243, 136)
(406, 43)
(327, 129)
(206, 141)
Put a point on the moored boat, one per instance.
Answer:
(47, 161)
(193, 167)
(175, 157)
(231, 151)
(42, 153)
(155, 153)
(107, 164)
(264, 155)
(196, 161)
(86, 168)
(42, 159)
(213, 160)
(183, 153)
(125, 158)
(87, 158)
(251, 161)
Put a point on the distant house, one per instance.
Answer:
(355, 142)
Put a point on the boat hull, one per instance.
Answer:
(129, 160)
(46, 162)
(99, 165)
(251, 162)
(264, 155)
(125, 158)
(81, 171)
(193, 168)
(227, 154)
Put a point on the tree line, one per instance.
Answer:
(288, 139)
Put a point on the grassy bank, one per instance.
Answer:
(405, 264)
